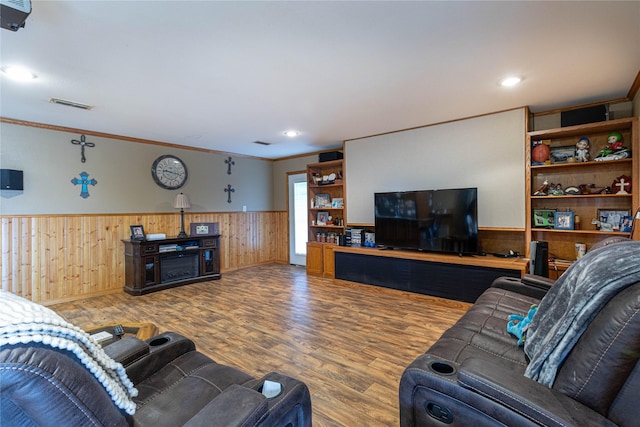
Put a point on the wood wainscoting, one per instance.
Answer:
(55, 258)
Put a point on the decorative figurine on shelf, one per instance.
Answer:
(582, 150)
(615, 140)
(543, 189)
(621, 185)
(601, 225)
(572, 191)
(614, 149)
(556, 190)
(586, 188)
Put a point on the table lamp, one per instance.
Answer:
(181, 202)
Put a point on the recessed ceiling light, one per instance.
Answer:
(292, 133)
(17, 73)
(510, 81)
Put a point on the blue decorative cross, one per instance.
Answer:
(85, 182)
(229, 190)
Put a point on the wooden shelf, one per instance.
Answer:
(599, 173)
(581, 164)
(595, 232)
(580, 196)
(338, 183)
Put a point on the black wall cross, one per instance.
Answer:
(230, 163)
(229, 190)
(82, 143)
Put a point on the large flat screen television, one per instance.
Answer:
(428, 220)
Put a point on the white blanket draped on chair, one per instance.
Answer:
(24, 322)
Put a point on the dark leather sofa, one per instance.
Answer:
(177, 385)
(474, 374)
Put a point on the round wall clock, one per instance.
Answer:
(169, 172)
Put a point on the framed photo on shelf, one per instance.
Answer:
(337, 203)
(203, 228)
(611, 219)
(562, 154)
(626, 224)
(323, 200)
(137, 232)
(564, 220)
(544, 218)
(323, 217)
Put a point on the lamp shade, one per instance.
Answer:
(181, 201)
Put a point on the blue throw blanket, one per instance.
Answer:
(573, 301)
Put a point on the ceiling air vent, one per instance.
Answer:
(261, 143)
(71, 103)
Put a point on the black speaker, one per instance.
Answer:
(11, 179)
(539, 258)
(581, 116)
(332, 155)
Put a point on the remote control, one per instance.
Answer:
(118, 331)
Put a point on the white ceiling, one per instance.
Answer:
(220, 75)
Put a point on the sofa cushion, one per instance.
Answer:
(482, 331)
(42, 385)
(596, 370)
(157, 403)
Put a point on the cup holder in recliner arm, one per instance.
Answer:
(442, 368)
(158, 341)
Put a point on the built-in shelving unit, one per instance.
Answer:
(586, 206)
(326, 221)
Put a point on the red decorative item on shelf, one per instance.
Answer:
(621, 185)
(540, 153)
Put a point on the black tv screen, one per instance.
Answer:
(428, 220)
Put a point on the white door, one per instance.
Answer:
(298, 219)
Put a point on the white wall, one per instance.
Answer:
(280, 183)
(486, 152)
(123, 172)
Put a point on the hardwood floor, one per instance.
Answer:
(349, 343)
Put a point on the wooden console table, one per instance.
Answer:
(446, 276)
(154, 265)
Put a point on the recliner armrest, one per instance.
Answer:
(541, 282)
(245, 405)
(291, 407)
(127, 350)
(529, 285)
(163, 349)
(501, 383)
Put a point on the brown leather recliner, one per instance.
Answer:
(177, 385)
(475, 373)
